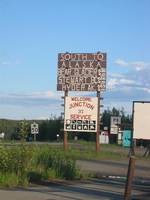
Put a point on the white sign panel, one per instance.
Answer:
(115, 121)
(34, 128)
(114, 130)
(81, 114)
(2, 135)
(141, 120)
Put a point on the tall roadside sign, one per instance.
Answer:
(81, 72)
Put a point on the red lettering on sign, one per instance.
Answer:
(80, 117)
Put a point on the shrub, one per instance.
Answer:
(57, 162)
(15, 161)
(8, 179)
(22, 164)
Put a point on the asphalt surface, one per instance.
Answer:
(109, 183)
(109, 186)
(115, 168)
(94, 189)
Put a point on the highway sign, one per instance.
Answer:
(34, 128)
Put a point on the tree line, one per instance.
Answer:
(50, 129)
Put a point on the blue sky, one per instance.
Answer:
(33, 32)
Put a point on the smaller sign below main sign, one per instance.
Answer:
(81, 114)
(34, 128)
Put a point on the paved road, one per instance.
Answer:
(110, 188)
(116, 168)
(94, 189)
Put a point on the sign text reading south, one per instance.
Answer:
(81, 72)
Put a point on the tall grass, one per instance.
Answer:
(21, 164)
(57, 161)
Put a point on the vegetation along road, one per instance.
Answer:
(46, 166)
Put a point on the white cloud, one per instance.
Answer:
(128, 86)
(127, 81)
(44, 95)
(31, 105)
(118, 82)
(112, 83)
(121, 62)
(9, 61)
(140, 65)
(137, 65)
(35, 98)
(146, 89)
(116, 75)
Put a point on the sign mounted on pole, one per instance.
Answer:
(114, 124)
(34, 128)
(81, 114)
(81, 72)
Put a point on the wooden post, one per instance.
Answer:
(65, 132)
(130, 174)
(98, 123)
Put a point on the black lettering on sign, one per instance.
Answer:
(80, 125)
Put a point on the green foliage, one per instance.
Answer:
(14, 162)
(8, 127)
(33, 163)
(57, 162)
(14, 159)
(16, 130)
(8, 179)
(24, 129)
(48, 129)
(126, 120)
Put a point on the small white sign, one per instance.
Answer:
(81, 114)
(34, 128)
(2, 135)
(103, 137)
(115, 121)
